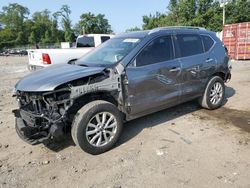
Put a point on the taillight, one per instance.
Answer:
(46, 59)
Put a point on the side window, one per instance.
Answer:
(189, 44)
(207, 42)
(104, 38)
(159, 50)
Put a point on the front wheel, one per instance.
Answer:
(97, 127)
(214, 94)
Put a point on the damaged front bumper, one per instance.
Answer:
(32, 134)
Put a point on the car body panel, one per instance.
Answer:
(153, 85)
(49, 78)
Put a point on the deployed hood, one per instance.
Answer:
(49, 78)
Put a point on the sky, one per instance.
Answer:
(122, 14)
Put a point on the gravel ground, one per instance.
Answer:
(184, 146)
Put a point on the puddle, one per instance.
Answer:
(238, 118)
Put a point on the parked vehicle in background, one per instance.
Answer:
(236, 38)
(40, 58)
(14, 52)
(129, 76)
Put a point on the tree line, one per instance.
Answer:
(200, 13)
(18, 28)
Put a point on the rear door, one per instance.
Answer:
(153, 77)
(210, 64)
(192, 58)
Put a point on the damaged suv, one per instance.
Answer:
(129, 76)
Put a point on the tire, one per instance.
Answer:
(207, 101)
(86, 122)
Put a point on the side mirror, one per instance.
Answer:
(133, 64)
(72, 61)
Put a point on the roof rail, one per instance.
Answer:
(175, 27)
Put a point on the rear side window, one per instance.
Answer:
(189, 44)
(159, 50)
(207, 42)
(104, 38)
(85, 42)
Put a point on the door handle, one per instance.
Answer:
(175, 69)
(209, 60)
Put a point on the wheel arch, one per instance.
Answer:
(89, 97)
(222, 75)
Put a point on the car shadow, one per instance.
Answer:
(134, 127)
(229, 92)
(61, 143)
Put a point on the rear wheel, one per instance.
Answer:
(214, 94)
(97, 127)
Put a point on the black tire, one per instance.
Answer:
(205, 101)
(84, 116)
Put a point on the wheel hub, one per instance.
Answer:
(101, 129)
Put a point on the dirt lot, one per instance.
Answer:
(184, 146)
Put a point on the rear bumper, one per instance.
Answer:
(228, 77)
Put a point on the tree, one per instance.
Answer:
(153, 21)
(7, 38)
(64, 13)
(133, 29)
(32, 38)
(13, 16)
(46, 38)
(202, 13)
(20, 40)
(238, 11)
(91, 23)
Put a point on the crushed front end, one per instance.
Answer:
(41, 116)
(45, 115)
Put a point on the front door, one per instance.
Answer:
(153, 77)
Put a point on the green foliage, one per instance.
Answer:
(47, 38)
(13, 16)
(238, 11)
(32, 38)
(16, 28)
(69, 35)
(43, 26)
(202, 13)
(133, 29)
(90, 23)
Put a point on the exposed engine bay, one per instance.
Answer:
(46, 115)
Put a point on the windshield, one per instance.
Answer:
(109, 53)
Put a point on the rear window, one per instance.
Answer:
(104, 38)
(189, 44)
(85, 42)
(207, 42)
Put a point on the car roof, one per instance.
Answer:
(142, 34)
(134, 34)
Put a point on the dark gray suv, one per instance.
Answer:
(129, 76)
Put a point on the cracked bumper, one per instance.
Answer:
(28, 134)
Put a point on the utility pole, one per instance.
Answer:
(223, 5)
(224, 14)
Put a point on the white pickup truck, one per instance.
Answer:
(40, 58)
